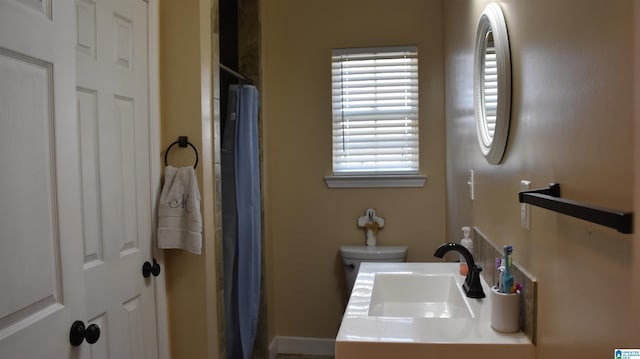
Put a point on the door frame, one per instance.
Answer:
(155, 165)
(635, 285)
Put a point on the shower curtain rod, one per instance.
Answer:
(235, 74)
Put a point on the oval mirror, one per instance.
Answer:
(492, 83)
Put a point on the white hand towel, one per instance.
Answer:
(179, 219)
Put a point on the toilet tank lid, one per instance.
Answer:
(373, 252)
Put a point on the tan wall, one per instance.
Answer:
(305, 222)
(572, 121)
(186, 95)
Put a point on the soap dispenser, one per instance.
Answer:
(467, 243)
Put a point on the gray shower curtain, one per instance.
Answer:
(241, 221)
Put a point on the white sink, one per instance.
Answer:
(418, 310)
(417, 296)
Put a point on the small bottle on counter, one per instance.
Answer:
(467, 243)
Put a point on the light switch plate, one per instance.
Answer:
(525, 219)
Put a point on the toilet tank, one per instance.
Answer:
(352, 256)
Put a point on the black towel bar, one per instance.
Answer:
(183, 141)
(549, 198)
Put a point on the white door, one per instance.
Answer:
(113, 114)
(41, 285)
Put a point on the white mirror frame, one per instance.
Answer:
(492, 19)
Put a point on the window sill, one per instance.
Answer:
(377, 181)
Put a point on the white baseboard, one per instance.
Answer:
(302, 346)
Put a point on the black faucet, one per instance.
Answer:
(472, 287)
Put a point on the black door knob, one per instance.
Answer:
(150, 269)
(155, 268)
(92, 333)
(79, 333)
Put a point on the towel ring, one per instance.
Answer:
(183, 141)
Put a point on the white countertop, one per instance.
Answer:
(359, 328)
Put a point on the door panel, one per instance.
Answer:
(112, 91)
(28, 211)
(100, 349)
(41, 239)
(134, 327)
(91, 197)
(76, 207)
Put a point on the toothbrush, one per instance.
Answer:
(501, 280)
(498, 281)
(507, 279)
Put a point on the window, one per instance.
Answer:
(489, 89)
(375, 111)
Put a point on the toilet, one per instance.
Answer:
(352, 256)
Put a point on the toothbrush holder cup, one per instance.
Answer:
(505, 311)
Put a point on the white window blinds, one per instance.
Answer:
(490, 87)
(375, 110)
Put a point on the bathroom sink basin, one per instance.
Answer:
(417, 296)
